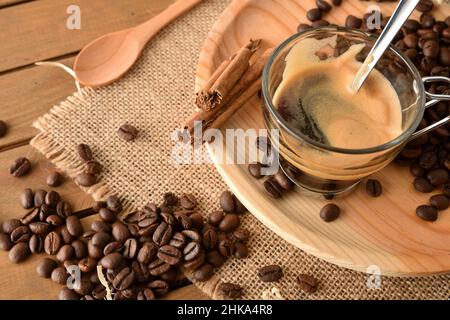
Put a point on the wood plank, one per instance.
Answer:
(4, 3)
(24, 44)
(28, 94)
(21, 281)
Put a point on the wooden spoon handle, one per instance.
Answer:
(145, 31)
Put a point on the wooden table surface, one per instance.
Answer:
(33, 31)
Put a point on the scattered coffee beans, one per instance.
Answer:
(231, 290)
(440, 201)
(85, 152)
(374, 188)
(330, 212)
(127, 132)
(20, 167)
(46, 267)
(85, 179)
(270, 273)
(54, 179)
(427, 213)
(27, 199)
(307, 283)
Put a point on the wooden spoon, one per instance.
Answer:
(107, 58)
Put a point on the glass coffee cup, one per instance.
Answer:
(321, 167)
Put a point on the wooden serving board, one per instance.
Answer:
(383, 231)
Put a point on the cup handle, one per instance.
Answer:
(435, 98)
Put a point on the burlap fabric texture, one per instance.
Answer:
(155, 96)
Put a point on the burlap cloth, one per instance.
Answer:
(155, 97)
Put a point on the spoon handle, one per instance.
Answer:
(398, 18)
(145, 31)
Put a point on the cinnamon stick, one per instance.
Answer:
(250, 92)
(252, 74)
(210, 98)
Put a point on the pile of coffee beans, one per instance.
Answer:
(92, 168)
(143, 253)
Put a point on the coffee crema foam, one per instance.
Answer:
(315, 97)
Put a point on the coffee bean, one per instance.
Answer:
(54, 179)
(40, 228)
(20, 167)
(192, 235)
(170, 255)
(242, 235)
(112, 247)
(63, 209)
(270, 273)
(227, 202)
(255, 170)
(60, 275)
(283, 181)
(9, 225)
(215, 218)
(114, 204)
(52, 243)
(93, 167)
(66, 237)
(146, 294)
(158, 267)
(84, 152)
(203, 273)
(147, 253)
(98, 205)
(30, 216)
(107, 215)
(159, 287)
(5, 242)
(45, 267)
(323, 6)
(197, 221)
(19, 252)
(410, 53)
(130, 248)
(124, 279)
(39, 197)
(229, 223)
(314, 14)
(241, 250)
(444, 56)
(147, 217)
(446, 190)
(163, 234)
(94, 251)
(427, 213)
(411, 41)
(273, 188)
(210, 239)
(127, 132)
(330, 212)
(425, 6)
(438, 177)
(99, 292)
(83, 287)
(307, 283)
(303, 27)
(86, 180)
(120, 232)
(79, 249)
(416, 170)
(3, 128)
(169, 219)
(68, 294)
(184, 221)
(27, 199)
(423, 185)
(52, 199)
(431, 49)
(440, 201)
(215, 258)
(148, 232)
(74, 226)
(374, 188)
(230, 290)
(196, 262)
(101, 239)
(111, 261)
(100, 226)
(65, 253)
(188, 201)
(192, 251)
(353, 22)
(226, 247)
(20, 234)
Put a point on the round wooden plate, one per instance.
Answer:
(383, 231)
